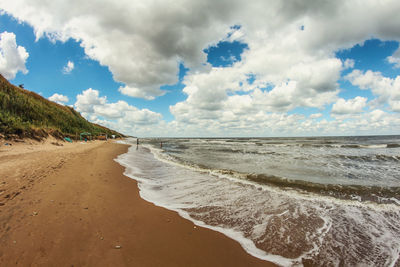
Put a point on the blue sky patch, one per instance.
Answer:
(225, 54)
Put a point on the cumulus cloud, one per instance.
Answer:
(60, 99)
(292, 67)
(386, 89)
(394, 59)
(316, 115)
(119, 115)
(145, 56)
(280, 124)
(88, 100)
(12, 56)
(350, 106)
(375, 121)
(141, 43)
(290, 55)
(348, 63)
(146, 93)
(68, 67)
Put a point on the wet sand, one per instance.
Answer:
(71, 205)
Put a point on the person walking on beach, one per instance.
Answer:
(137, 143)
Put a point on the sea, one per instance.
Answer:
(321, 201)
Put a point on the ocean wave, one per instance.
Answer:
(393, 145)
(377, 194)
(351, 146)
(274, 218)
(369, 158)
(243, 151)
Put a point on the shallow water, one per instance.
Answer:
(290, 201)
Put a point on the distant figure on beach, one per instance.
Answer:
(137, 143)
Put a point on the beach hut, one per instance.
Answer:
(102, 136)
(85, 136)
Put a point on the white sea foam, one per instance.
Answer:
(374, 146)
(127, 141)
(160, 200)
(270, 223)
(293, 194)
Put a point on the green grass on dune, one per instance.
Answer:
(27, 114)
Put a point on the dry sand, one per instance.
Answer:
(71, 205)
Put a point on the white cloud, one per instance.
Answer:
(86, 101)
(395, 58)
(12, 56)
(316, 115)
(387, 89)
(141, 117)
(60, 99)
(112, 110)
(350, 106)
(291, 55)
(119, 115)
(278, 124)
(149, 93)
(68, 67)
(348, 63)
(142, 43)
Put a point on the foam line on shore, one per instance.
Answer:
(195, 194)
(246, 243)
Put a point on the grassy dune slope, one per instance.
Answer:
(26, 114)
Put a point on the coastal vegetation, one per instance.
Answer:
(26, 114)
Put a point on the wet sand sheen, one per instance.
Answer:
(76, 207)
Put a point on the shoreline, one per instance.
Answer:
(247, 244)
(75, 207)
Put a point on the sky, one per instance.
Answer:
(188, 68)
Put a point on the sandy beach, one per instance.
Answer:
(71, 205)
